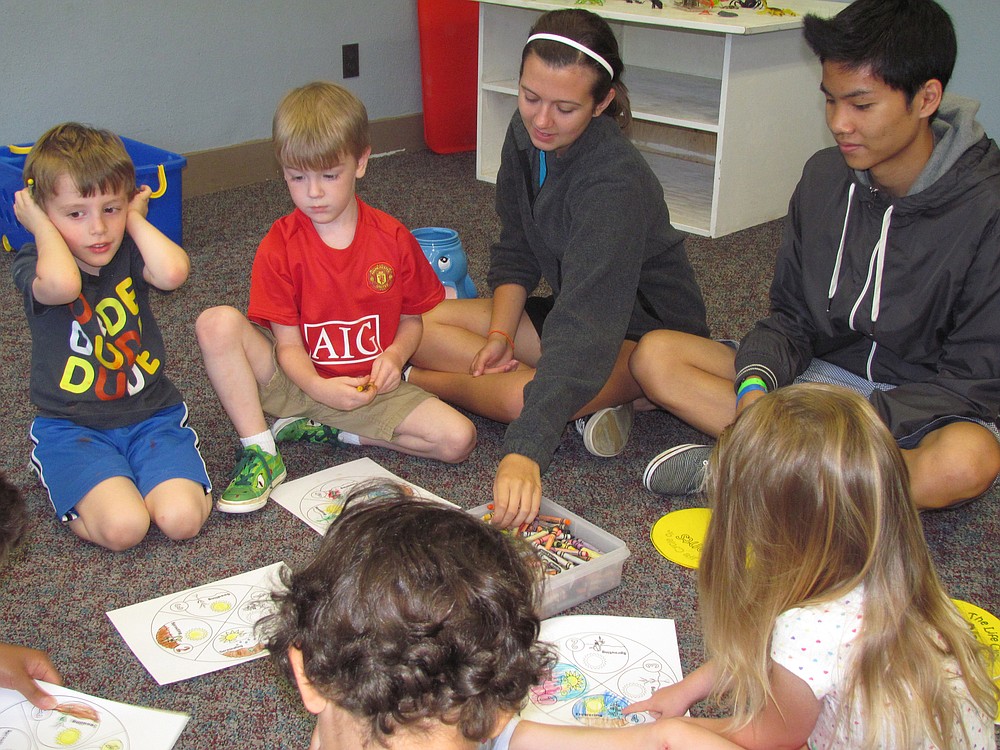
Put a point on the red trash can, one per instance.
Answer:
(449, 54)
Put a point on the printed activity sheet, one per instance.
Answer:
(201, 630)
(318, 498)
(604, 664)
(85, 722)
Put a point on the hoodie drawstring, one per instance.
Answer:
(835, 278)
(876, 268)
(883, 240)
(876, 265)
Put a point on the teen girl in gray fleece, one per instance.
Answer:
(581, 209)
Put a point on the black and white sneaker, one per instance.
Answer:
(678, 471)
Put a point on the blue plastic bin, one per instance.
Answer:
(159, 169)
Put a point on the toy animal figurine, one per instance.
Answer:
(445, 253)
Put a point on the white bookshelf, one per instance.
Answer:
(726, 110)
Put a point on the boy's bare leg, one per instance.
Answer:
(115, 516)
(179, 507)
(689, 376)
(237, 357)
(953, 463)
(432, 430)
(112, 515)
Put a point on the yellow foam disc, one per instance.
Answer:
(986, 626)
(679, 535)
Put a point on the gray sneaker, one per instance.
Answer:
(605, 432)
(677, 471)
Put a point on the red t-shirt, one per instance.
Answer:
(346, 303)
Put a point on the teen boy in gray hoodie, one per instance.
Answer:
(888, 277)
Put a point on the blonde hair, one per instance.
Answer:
(317, 125)
(810, 498)
(96, 161)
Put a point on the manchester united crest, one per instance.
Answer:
(380, 277)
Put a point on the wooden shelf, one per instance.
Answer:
(687, 189)
(725, 110)
(679, 99)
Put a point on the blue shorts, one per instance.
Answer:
(71, 460)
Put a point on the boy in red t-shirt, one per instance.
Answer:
(336, 294)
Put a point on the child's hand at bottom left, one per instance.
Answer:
(20, 667)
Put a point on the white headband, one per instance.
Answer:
(575, 45)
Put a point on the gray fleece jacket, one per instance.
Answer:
(904, 291)
(599, 233)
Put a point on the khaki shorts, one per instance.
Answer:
(377, 420)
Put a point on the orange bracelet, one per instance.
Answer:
(509, 339)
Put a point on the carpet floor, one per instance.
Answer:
(56, 590)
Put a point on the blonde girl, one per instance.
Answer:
(825, 622)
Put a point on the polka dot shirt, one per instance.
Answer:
(814, 643)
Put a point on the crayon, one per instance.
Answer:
(556, 548)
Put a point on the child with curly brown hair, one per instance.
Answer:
(414, 626)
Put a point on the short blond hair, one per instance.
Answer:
(317, 125)
(96, 161)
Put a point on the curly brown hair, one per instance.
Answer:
(13, 518)
(414, 611)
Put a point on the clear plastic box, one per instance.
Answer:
(585, 581)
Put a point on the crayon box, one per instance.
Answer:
(579, 582)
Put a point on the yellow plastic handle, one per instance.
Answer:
(162, 173)
(6, 244)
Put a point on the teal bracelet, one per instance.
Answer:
(747, 387)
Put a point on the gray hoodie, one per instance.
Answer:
(904, 291)
(598, 231)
